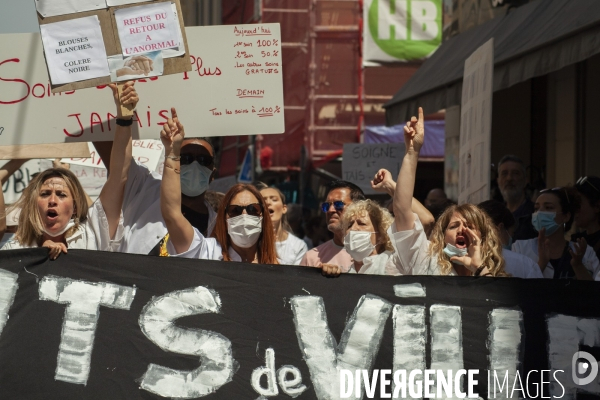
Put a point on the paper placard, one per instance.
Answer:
(50, 8)
(476, 126)
(113, 3)
(146, 28)
(146, 152)
(361, 162)
(30, 113)
(74, 50)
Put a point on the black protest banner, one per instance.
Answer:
(94, 325)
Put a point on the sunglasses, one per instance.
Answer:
(338, 205)
(253, 209)
(557, 189)
(584, 179)
(203, 160)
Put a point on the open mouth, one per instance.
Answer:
(51, 215)
(271, 211)
(461, 242)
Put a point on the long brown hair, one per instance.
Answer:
(30, 228)
(266, 252)
(491, 245)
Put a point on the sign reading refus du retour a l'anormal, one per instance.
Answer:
(235, 87)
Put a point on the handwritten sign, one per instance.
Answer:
(146, 28)
(476, 126)
(361, 162)
(146, 152)
(74, 50)
(223, 95)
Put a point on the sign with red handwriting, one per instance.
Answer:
(235, 88)
(147, 152)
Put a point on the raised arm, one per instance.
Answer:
(181, 232)
(384, 183)
(112, 193)
(10, 168)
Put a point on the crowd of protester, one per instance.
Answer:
(141, 212)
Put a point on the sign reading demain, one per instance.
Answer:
(401, 30)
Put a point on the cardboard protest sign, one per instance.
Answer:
(476, 126)
(99, 325)
(51, 8)
(70, 69)
(33, 151)
(236, 87)
(360, 162)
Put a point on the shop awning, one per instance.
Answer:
(538, 38)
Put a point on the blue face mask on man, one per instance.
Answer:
(544, 219)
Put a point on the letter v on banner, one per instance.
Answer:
(358, 346)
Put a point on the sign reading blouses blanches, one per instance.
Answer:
(97, 325)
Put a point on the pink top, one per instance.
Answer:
(327, 253)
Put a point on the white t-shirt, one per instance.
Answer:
(93, 234)
(291, 250)
(373, 265)
(520, 266)
(529, 248)
(143, 221)
(200, 248)
(412, 252)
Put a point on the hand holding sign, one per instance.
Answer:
(125, 97)
(172, 135)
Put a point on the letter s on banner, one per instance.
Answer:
(216, 358)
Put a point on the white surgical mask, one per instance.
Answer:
(69, 225)
(452, 251)
(244, 230)
(358, 244)
(194, 179)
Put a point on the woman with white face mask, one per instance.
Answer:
(54, 207)
(290, 249)
(366, 224)
(557, 257)
(463, 240)
(243, 231)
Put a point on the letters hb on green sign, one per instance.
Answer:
(406, 29)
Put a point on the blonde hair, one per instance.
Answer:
(380, 218)
(30, 229)
(491, 245)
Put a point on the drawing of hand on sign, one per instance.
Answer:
(137, 65)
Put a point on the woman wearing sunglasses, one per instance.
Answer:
(463, 240)
(587, 218)
(557, 257)
(243, 230)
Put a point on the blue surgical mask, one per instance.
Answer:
(194, 179)
(453, 251)
(544, 219)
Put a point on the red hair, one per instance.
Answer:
(266, 252)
